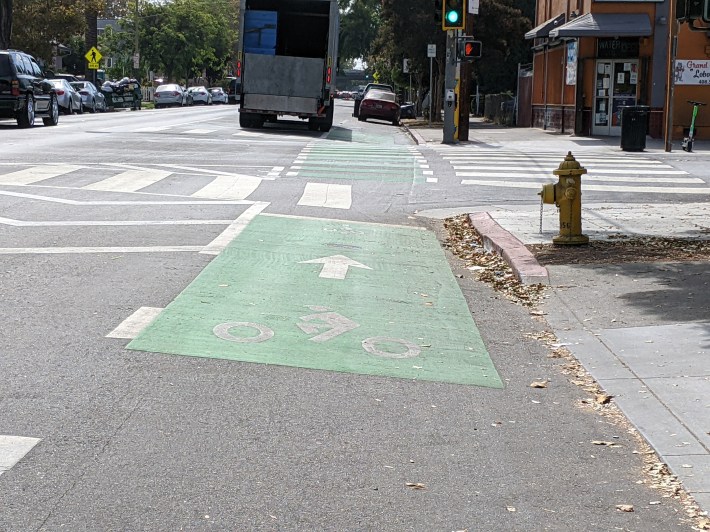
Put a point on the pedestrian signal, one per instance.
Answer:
(453, 15)
(469, 49)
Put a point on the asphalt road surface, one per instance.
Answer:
(209, 328)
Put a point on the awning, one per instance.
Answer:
(605, 25)
(543, 30)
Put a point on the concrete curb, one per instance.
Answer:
(412, 133)
(523, 263)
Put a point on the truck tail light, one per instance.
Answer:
(239, 69)
(15, 87)
(328, 74)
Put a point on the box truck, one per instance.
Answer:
(287, 55)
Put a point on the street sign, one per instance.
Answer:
(93, 56)
(431, 50)
(93, 66)
(136, 60)
(405, 66)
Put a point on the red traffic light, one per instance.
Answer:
(469, 49)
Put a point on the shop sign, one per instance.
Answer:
(692, 72)
(618, 48)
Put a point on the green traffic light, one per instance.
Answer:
(452, 17)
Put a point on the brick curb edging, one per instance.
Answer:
(523, 263)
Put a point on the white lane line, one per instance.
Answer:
(87, 250)
(596, 172)
(129, 181)
(109, 223)
(200, 131)
(428, 172)
(234, 230)
(552, 160)
(13, 449)
(533, 164)
(596, 177)
(326, 195)
(275, 171)
(153, 129)
(37, 173)
(291, 174)
(135, 323)
(234, 187)
(593, 188)
(114, 203)
(246, 134)
(432, 179)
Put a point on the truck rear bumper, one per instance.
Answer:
(291, 105)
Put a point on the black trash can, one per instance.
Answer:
(634, 127)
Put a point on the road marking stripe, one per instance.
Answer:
(129, 181)
(153, 129)
(13, 449)
(134, 203)
(326, 195)
(593, 188)
(86, 250)
(109, 223)
(582, 160)
(614, 179)
(533, 164)
(596, 172)
(428, 172)
(234, 230)
(135, 323)
(275, 171)
(199, 131)
(36, 173)
(291, 174)
(300, 217)
(432, 179)
(236, 187)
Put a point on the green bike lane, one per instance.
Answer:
(329, 295)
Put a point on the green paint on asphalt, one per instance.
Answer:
(394, 165)
(261, 300)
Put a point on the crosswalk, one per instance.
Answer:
(362, 162)
(605, 172)
(13, 449)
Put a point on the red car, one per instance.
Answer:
(379, 104)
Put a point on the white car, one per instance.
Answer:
(200, 95)
(218, 95)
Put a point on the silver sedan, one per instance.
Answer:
(92, 99)
(69, 100)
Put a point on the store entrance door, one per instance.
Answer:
(616, 87)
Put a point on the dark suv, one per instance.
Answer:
(24, 91)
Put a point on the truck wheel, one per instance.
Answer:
(53, 118)
(312, 124)
(26, 118)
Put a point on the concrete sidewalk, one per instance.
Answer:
(641, 329)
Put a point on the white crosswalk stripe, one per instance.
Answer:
(129, 181)
(605, 173)
(235, 187)
(36, 174)
(13, 449)
(326, 195)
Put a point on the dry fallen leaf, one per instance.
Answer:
(602, 398)
(415, 485)
(704, 524)
(538, 384)
(625, 507)
(599, 442)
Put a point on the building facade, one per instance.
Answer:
(593, 57)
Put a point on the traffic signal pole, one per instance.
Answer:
(449, 88)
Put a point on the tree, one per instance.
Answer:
(358, 28)
(5, 23)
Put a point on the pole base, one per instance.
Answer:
(570, 240)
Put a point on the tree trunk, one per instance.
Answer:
(5, 23)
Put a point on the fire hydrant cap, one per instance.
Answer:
(570, 166)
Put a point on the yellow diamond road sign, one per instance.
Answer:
(93, 55)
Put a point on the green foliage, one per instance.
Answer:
(358, 28)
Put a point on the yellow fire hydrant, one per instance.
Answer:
(567, 195)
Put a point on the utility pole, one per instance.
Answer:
(465, 87)
(449, 88)
(136, 51)
(670, 83)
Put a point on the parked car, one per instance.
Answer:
(218, 95)
(233, 91)
(68, 77)
(92, 99)
(380, 104)
(24, 91)
(201, 95)
(68, 98)
(171, 94)
(362, 91)
(407, 110)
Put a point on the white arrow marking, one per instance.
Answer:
(335, 266)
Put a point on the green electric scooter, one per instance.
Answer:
(687, 144)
